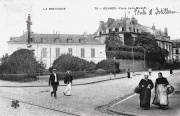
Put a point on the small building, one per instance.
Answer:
(48, 47)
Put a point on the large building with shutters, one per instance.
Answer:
(48, 47)
(126, 26)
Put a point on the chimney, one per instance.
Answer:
(85, 34)
(101, 24)
(110, 21)
(166, 31)
(153, 27)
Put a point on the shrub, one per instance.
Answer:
(100, 71)
(21, 63)
(108, 65)
(68, 62)
(18, 77)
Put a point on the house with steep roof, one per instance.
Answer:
(48, 47)
(126, 26)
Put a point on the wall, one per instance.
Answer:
(138, 65)
(128, 64)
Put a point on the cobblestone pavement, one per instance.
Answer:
(84, 99)
(26, 109)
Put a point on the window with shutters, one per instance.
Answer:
(44, 52)
(57, 52)
(92, 52)
(82, 53)
(70, 51)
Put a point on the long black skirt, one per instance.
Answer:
(145, 98)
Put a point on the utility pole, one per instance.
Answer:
(133, 58)
(144, 59)
(114, 66)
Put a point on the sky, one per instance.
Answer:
(79, 16)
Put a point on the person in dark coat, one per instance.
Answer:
(68, 81)
(54, 82)
(128, 73)
(145, 86)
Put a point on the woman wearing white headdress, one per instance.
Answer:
(68, 80)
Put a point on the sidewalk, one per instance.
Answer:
(130, 105)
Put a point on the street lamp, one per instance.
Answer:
(133, 58)
(114, 66)
(50, 54)
(144, 59)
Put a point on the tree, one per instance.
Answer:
(108, 65)
(4, 58)
(112, 41)
(20, 62)
(153, 51)
(68, 62)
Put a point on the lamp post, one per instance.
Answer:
(50, 55)
(114, 66)
(144, 59)
(133, 58)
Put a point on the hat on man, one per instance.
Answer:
(54, 69)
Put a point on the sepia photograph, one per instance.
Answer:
(89, 57)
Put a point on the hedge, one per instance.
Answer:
(125, 55)
(18, 77)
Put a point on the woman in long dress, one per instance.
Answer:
(145, 86)
(161, 96)
(68, 80)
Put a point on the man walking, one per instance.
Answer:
(54, 82)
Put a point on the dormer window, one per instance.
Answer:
(43, 40)
(57, 40)
(122, 28)
(69, 40)
(107, 30)
(134, 30)
(81, 40)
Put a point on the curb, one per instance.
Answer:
(94, 82)
(125, 113)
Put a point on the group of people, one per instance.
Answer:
(54, 82)
(161, 96)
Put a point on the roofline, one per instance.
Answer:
(57, 43)
(164, 41)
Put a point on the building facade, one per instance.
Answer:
(176, 50)
(125, 26)
(48, 47)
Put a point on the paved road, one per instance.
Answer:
(85, 98)
(131, 105)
